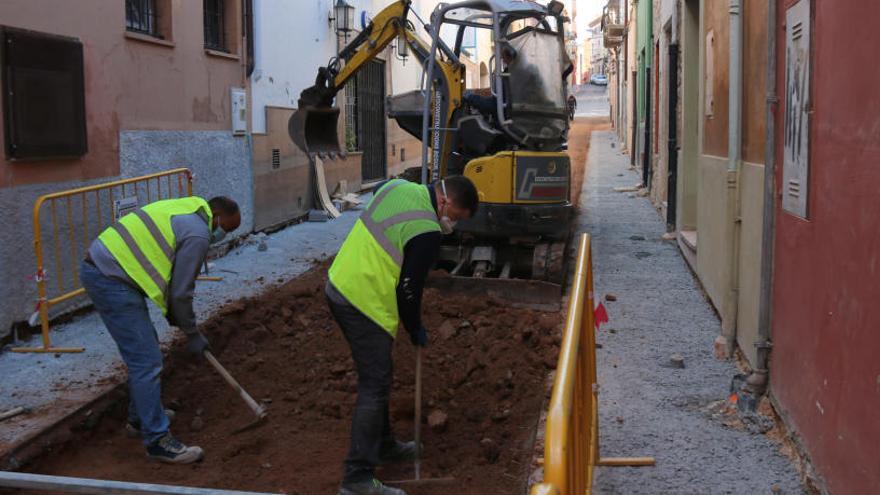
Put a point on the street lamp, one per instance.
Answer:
(343, 14)
(402, 48)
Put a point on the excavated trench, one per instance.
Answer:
(485, 375)
(485, 382)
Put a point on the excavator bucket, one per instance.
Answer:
(313, 129)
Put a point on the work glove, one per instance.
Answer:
(419, 338)
(197, 344)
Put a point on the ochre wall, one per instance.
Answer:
(754, 80)
(715, 18)
(129, 84)
(283, 194)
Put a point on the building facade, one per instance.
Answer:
(824, 370)
(723, 91)
(117, 93)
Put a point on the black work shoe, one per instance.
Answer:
(133, 428)
(167, 449)
(398, 452)
(368, 487)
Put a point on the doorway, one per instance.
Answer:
(672, 137)
(370, 120)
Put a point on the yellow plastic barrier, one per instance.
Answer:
(571, 440)
(65, 272)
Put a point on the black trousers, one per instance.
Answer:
(371, 350)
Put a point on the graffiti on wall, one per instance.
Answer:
(796, 127)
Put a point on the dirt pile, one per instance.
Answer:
(484, 383)
(579, 148)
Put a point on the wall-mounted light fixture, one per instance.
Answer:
(402, 48)
(343, 14)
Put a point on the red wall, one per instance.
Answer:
(825, 364)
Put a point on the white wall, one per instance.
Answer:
(294, 38)
(407, 76)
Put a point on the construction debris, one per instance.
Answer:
(437, 420)
(676, 361)
(15, 411)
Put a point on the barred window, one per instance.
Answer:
(352, 143)
(141, 16)
(215, 25)
(44, 99)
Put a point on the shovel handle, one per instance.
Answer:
(259, 410)
(418, 413)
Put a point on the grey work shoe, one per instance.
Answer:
(168, 449)
(398, 452)
(368, 487)
(133, 428)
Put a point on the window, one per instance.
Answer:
(351, 116)
(44, 102)
(215, 25)
(141, 16)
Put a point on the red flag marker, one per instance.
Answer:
(600, 316)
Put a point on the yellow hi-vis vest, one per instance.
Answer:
(143, 244)
(367, 269)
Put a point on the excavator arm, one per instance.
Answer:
(390, 23)
(313, 127)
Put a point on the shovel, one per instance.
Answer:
(417, 464)
(259, 410)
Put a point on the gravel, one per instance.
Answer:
(646, 406)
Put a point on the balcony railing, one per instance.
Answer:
(613, 28)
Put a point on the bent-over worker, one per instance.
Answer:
(376, 281)
(155, 252)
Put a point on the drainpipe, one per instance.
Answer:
(623, 77)
(734, 145)
(757, 381)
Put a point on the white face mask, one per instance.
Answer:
(447, 225)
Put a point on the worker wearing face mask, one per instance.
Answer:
(154, 253)
(374, 283)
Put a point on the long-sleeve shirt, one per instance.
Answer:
(192, 237)
(419, 255)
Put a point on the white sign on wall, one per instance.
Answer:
(796, 127)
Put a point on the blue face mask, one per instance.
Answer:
(217, 235)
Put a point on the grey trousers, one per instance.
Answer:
(371, 350)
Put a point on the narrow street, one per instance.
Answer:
(647, 407)
(592, 101)
(235, 268)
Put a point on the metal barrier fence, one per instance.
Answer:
(70, 239)
(571, 440)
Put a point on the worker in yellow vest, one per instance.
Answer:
(154, 253)
(376, 281)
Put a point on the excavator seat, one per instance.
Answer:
(476, 135)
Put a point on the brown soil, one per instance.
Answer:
(485, 369)
(579, 148)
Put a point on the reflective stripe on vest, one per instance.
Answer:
(146, 265)
(143, 244)
(377, 229)
(367, 269)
